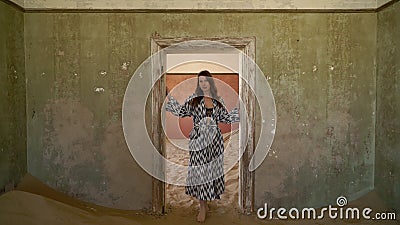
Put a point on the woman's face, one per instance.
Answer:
(204, 84)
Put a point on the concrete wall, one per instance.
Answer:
(12, 97)
(322, 73)
(75, 138)
(387, 180)
(321, 68)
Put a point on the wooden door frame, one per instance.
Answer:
(247, 72)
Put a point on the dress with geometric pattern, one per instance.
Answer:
(205, 178)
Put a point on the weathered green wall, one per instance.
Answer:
(75, 138)
(322, 70)
(12, 97)
(387, 153)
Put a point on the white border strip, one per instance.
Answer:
(198, 4)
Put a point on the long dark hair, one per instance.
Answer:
(199, 93)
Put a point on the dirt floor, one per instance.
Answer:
(36, 203)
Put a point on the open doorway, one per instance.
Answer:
(246, 72)
(181, 80)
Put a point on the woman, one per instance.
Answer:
(205, 180)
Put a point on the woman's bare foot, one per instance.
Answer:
(202, 215)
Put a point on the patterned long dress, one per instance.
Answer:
(205, 179)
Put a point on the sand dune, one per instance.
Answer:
(20, 207)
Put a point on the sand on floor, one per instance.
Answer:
(35, 203)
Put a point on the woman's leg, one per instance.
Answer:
(203, 211)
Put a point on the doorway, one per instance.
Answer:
(246, 72)
(181, 81)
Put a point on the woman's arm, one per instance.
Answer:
(176, 109)
(228, 117)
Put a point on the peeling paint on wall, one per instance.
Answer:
(316, 94)
(86, 160)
